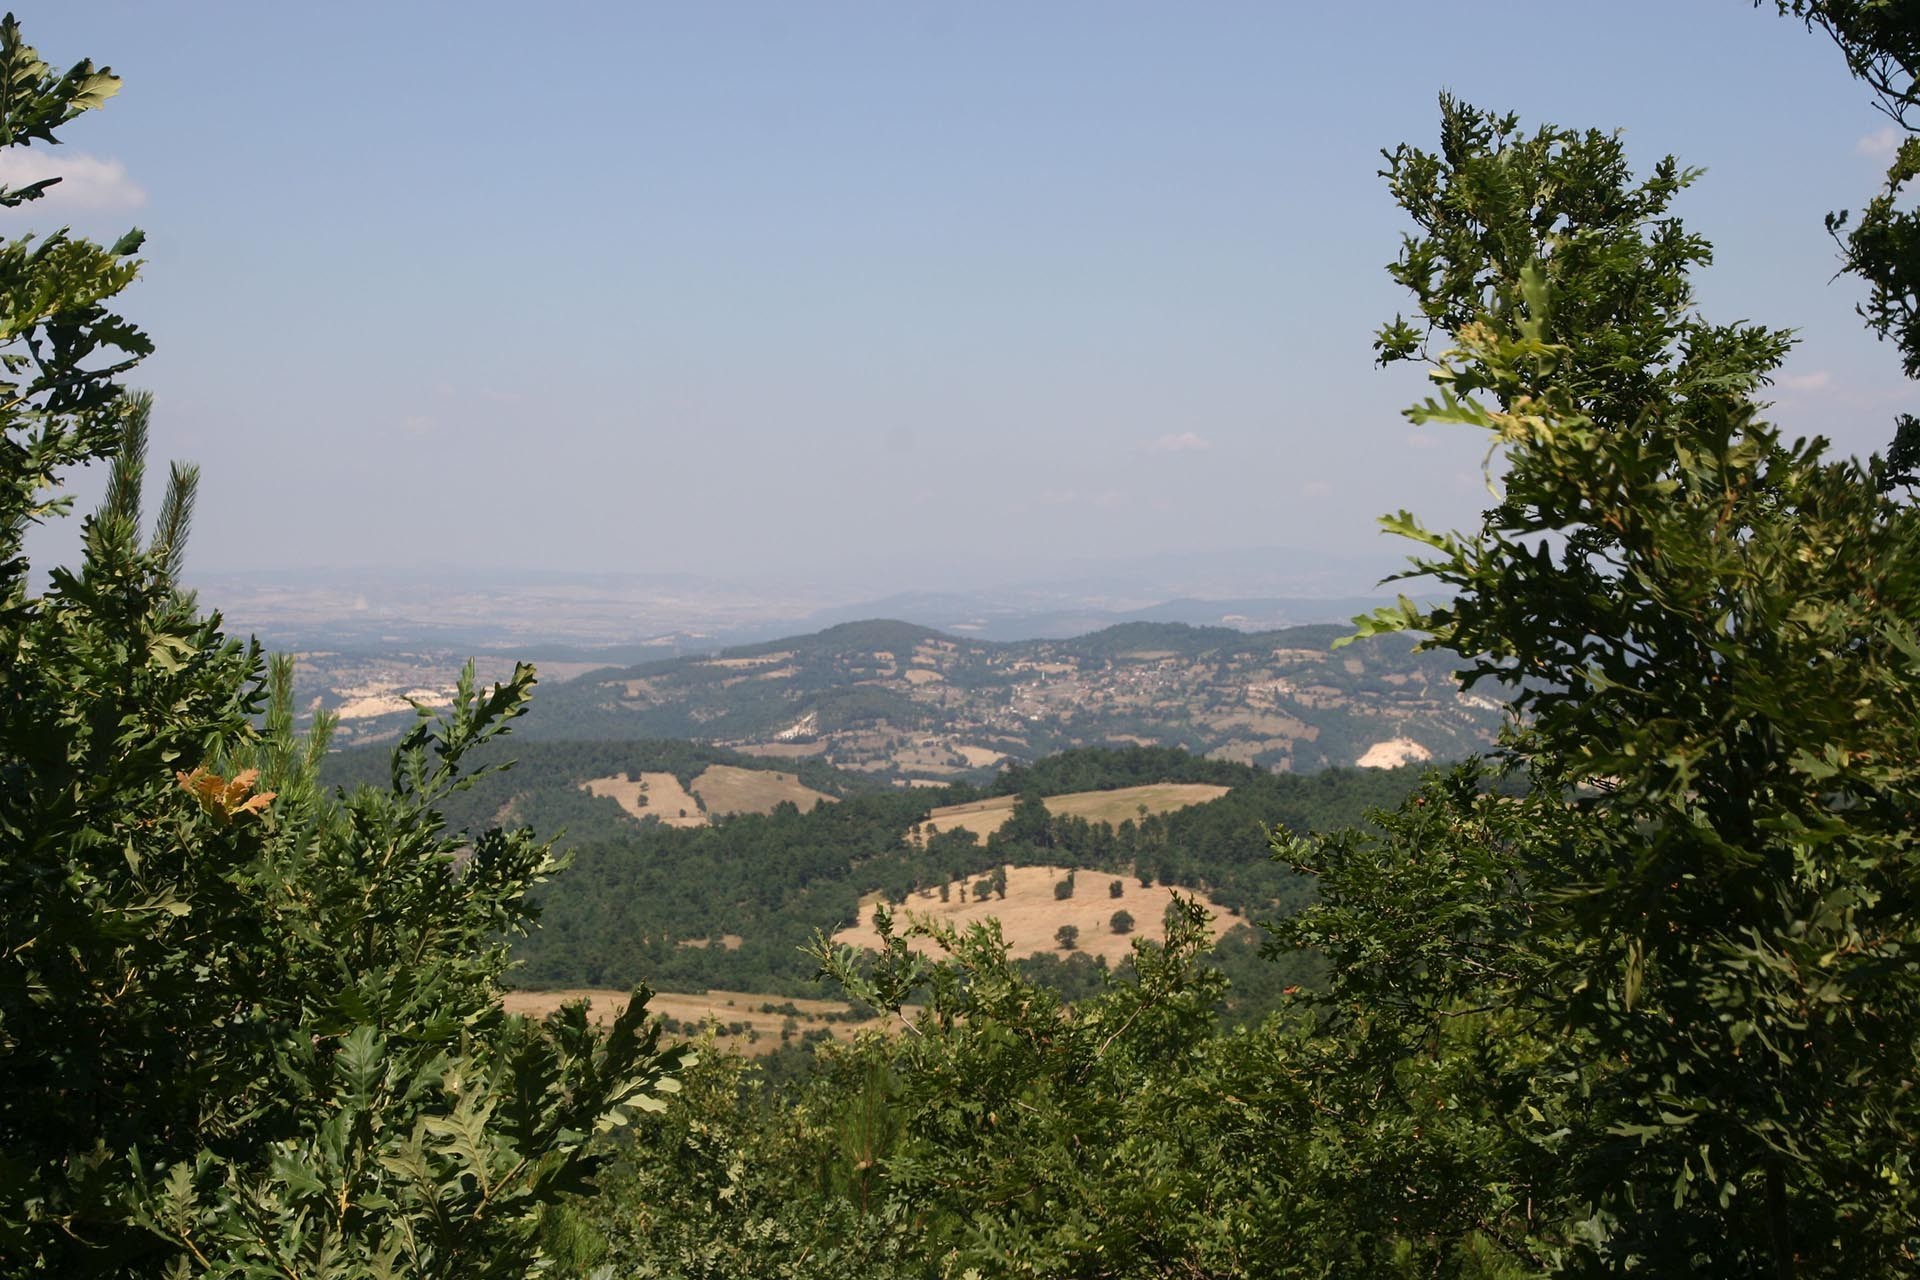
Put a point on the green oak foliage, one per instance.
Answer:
(1441, 1120)
(1881, 42)
(246, 1028)
(1708, 936)
(1114, 1136)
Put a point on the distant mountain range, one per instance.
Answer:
(1002, 617)
(634, 616)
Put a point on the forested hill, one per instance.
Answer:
(729, 902)
(727, 897)
(593, 790)
(900, 701)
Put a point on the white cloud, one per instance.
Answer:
(1815, 381)
(86, 183)
(1420, 440)
(1316, 488)
(1181, 442)
(1880, 144)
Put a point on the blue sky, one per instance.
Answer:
(922, 294)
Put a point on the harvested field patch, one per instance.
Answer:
(1030, 916)
(984, 817)
(757, 1019)
(727, 788)
(1126, 802)
(979, 757)
(1392, 753)
(652, 795)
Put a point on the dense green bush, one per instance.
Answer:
(245, 1028)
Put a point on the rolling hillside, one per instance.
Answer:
(909, 704)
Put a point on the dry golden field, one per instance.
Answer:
(984, 817)
(979, 757)
(657, 795)
(1030, 915)
(761, 1033)
(727, 788)
(1392, 753)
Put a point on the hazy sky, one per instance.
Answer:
(920, 291)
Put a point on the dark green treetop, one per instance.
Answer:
(246, 1028)
(1881, 42)
(1717, 630)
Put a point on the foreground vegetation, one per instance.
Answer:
(1641, 998)
(246, 1029)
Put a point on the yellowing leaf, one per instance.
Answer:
(225, 798)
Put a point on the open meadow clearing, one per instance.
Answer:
(650, 795)
(1030, 915)
(727, 788)
(984, 817)
(1393, 753)
(749, 1021)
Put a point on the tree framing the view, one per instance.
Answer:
(246, 1028)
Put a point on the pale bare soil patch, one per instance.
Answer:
(922, 675)
(367, 701)
(652, 795)
(727, 788)
(978, 757)
(1393, 753)
(760, 1034)
(984, 817)
(1030, 916)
